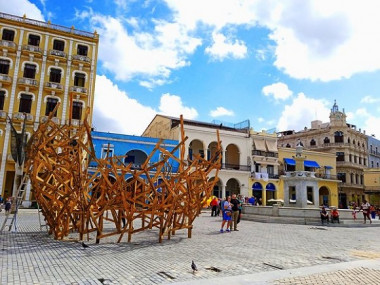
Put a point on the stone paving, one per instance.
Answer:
(32, 257)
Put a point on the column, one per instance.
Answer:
(223, 191)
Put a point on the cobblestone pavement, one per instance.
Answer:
(32, 257)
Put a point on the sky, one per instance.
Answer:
(279, 64)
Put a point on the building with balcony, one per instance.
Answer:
(42, 64)
(202, 140)
(342, 139)
(373, 152)
(372, 185)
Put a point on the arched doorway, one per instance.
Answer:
(270, 191)
(324, 196)
(257, 190)
(232, 157)
(136, 157)
(196, 148)
(217, 190)
(211, 150)
(233, 187)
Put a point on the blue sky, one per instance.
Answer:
(279, 64)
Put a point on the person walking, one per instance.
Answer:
(365, 208)
(8, 205)
(227, 213)
(214, 205)
(235, 212)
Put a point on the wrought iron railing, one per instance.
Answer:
(236, 167)
(28, 81)
(78, 89)
(4, 77)
(32, 48)
(54, 85)
(81, 58)
(57, 53)
(5, 43)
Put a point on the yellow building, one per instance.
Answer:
(372, 185)
(318, 167)
(41, 64)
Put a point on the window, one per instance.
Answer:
(79, 79)
(82, 50)
(342, 177)
(348, 140)
(370, 147)
(372, 164)
(310, 196)
(326, 140)
(350, 157)
(377, 164)
(338, 137)
(357, 179)
(50, 105)
(287, 145)
(360, 160)
(292, 194)
(2, 99)
(312, 142)
(34, 40)
(352, 178)
(355, 159)
(29, 71)
(77, 110)
(55, 75)
(4, 66)
(364, 161)
(25, 103)
(340, 156)
(58, 45)
(8, 35)
(107, 152)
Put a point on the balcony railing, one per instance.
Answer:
(32, 48)
(28, 81)
(5, 78)
(74, 122)
(265, 176)
(54, 85)
(264, 153)
(3, 114)
(57, 53)
(8, 44)
(258, 152)
(78, 89)
(21, 116)
(54, 119)
(236, 167)
(326, 176)
(81, 58)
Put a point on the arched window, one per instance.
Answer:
(288, 145)
(312, 142)
(326, 140)
(348, 140)
(338, 137)
(353, 142)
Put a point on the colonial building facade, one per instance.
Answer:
(348, 143)
(41, 64)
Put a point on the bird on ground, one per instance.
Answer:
(193, 266)
(84, 245)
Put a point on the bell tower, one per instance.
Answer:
(337, 118)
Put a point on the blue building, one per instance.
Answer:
(373, 152)
(136, 149)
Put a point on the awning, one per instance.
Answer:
(260, 144)
(290, 161)
(270, 187)
(271, 145)
(311, 163)
(257, 186)
(329, 167)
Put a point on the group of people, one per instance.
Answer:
(231, 211)
(7, 204)
(367, 209)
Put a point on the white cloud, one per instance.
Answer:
(115, 112)
(372, 126)
(221, 111)
(279, 91)
(260, 119)
(223, 47)
(172, 105)
(151, 57)
(21, 7)
(369, 99)
(301, 112)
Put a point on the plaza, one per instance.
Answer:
(259, 253)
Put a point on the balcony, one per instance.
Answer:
(326, 176)
(76, 90)
(3, 115)
(11, 46)
(5, 79)
(20, 117)
(54, 119)
(236, 167)
(57, 54)
(75, 123)
(28, 82)
(28, 49)
(81, 59)
(54, 87)
(307, 174)
(264, 176)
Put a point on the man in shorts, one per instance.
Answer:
(227, 214)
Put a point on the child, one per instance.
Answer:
(354, 213)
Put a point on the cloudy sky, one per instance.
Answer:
(280, 64)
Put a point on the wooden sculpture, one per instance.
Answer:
(73, 199)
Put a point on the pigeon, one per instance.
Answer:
(84, 245)
(193, 266)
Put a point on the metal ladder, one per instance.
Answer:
(16, 204)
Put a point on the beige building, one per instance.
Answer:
(202, 140)
(372, 185)
(349, 145)
(41, 64)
